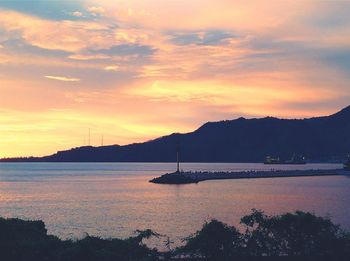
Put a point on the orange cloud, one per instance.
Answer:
(225, 94)
(62, 78)
(70, 36)
(111, 68)
(144, 69)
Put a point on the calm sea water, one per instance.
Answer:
(114, 199)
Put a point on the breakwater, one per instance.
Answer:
(187, 177)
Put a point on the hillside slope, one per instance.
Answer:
(240, 140)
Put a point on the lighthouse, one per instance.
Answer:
(178, 159)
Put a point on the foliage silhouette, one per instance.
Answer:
(293, 234)
(299, 234)
(215, 240)
(28, 240)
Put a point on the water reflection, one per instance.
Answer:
(112, 200)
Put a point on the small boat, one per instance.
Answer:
(269, 160)
(297, 160)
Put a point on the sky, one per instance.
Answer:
(130, 71)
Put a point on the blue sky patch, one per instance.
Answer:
(48, 9)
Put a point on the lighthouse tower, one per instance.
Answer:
(178, 159)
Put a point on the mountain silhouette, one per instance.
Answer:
(241, 140)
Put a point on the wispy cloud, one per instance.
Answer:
(62, 78)
(70, 36)
(77, 14)
(96, 10)
(111, 68)
(126, 49)
(86, 57)
(152, 67)
(211, 37)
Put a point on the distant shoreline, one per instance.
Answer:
(28, 160)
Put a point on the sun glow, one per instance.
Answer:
(132, 71)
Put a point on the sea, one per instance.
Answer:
(115, 199)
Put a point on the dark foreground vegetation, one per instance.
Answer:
(296, 234)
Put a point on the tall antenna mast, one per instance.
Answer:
(101, 140)
(89, 143)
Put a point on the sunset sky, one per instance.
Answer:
(135, 70)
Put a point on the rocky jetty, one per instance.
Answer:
(187, 177)
(175, 178)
